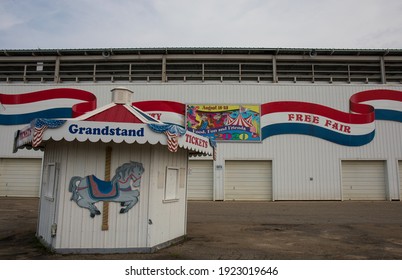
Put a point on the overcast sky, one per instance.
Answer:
(64, 24)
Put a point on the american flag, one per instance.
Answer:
(40, 125)
(173, 141)
(172, 132)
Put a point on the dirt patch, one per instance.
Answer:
(243, 230)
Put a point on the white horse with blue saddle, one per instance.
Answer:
(124, 188)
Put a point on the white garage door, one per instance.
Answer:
(248, 180)
(400, 179)
(20, 177)
(363, 180)
(200, 180)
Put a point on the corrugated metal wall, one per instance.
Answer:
(167, 218)
(304, 167)
(400, 178)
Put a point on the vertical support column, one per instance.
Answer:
(164, 76)
(382, 65)
(25, 73)
(312, 74)
(105, 210)
(57, 70)
(203, 72)
(274, 74)
(94, 74)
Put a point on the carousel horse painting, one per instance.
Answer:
(123, 188)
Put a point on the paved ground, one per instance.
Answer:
(243, 230)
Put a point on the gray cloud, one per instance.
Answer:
(200, 23)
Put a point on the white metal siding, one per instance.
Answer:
(20, 177)
(200, 180)
(248, 180)
(167, 218)
(363, 180)
(400, 179)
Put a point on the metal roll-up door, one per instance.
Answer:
(20, 177)
(248, 180)
(400, 179)
(363, 180)
(200, 180)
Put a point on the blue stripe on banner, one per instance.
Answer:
(316, 131)
(27, 118)
(388, 115)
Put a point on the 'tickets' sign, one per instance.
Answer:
(225, 122)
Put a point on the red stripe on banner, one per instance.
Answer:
(362, 113)
(161, 105)
(46, 95)
(376, 94)
(366, 112)
(82, 108)
(57, 93)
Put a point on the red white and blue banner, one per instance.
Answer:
(354, 128)
(22, 108)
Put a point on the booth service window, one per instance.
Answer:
(172, 184)
(50, 180)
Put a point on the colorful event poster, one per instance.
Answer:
(225, 122)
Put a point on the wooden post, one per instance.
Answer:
(105, 211)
